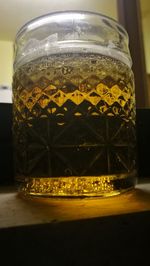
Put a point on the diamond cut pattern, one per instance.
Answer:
(50, 94)
(70, 119)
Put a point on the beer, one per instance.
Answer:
(74, 125)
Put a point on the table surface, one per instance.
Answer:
(16, 211)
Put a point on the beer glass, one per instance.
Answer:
(73, 107)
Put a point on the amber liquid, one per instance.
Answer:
(74, 126)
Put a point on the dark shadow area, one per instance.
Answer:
(120, 240)
(6, 149)
(143, 142)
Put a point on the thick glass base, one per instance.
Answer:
(87, 186)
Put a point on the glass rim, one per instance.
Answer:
(24, 27)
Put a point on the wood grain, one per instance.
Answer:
(16, 211)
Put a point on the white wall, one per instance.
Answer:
(6, 62)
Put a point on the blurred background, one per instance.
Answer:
(15, 13)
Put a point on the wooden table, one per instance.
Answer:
(94, 231)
